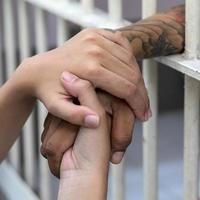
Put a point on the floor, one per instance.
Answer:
(170, 160)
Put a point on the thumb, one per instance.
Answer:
(74, 114)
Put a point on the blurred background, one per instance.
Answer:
(170, 108)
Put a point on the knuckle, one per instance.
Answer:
(121, 143)
(50, 150)
(86, 85)
(93, 70)
(90, 35)
(95, 51)
(43, 151)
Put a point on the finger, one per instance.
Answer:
(120, 68)
(122, 130)
(96, 142)
(50, 124)
(123, 42)
(74, 114)
(47, 120)
(61, 140)
(81, 89)
(116, 50)
(48, 132)
(141, 99)
(115, 85)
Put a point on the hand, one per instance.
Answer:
(85, 164)
(58, 135)
(102, 57)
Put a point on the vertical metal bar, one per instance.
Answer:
(62, 30)
(88, 5)
(1, 63)
(115, 10)
(118, 182)
(149, 7)
(41, 46)
(192, 28)
(10, 59)
(191, 108)
(118, 193)
(28, 130)
(191, 139)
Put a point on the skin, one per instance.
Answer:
(159, 35)
(85, 165)
(38, 77)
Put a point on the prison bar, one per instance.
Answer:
(1, 61)
(10, 61)
(191, 107)
(73, 12)
(62, 30)
(115, 10)
(41, 46)
(28, 130)
(150, 128)
(117, 171)
(88, 6)
(150, 168)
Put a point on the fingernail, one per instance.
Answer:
(117, 157)
(148, 115)
(68, 77)
(92, 121)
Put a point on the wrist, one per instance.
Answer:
(18, 85)
(136, 47)
(80, 184)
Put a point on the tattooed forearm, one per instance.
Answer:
(161, 34)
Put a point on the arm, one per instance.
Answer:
(159, 35)
(15, 107)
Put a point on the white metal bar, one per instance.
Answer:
(192, 97)
(41, 46)
(28, 130)
(73, 11)
(1, 62)
(88, 6)
(1, 67)
(12, 184)
(115, 10)
(192, 47)
(118, 188)
(10, 58)
(62, 31)
(190, 67)
(118, 192)
(191, 138)
(149, 7)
